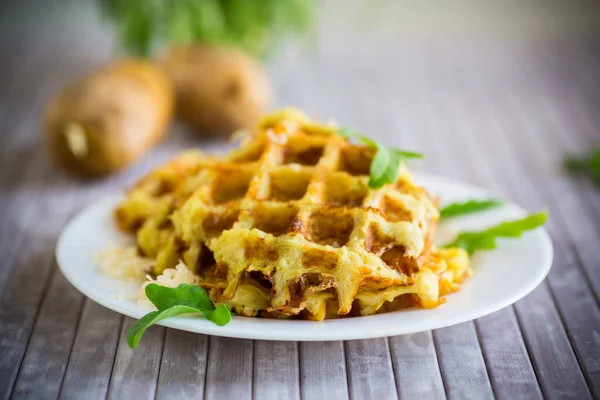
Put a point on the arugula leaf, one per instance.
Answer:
(348, 132)
(486, 239)
(407, 154)
(220, 316)
(164, 297)
(170, 302)
(380, 163)
(588, 165)
(467, 207)
(385, 166)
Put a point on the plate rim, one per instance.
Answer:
(203, 326)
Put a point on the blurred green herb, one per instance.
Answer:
(468, 207)
(170, 302)
(386, 163)
(254, 26)
(486, 239)
(588, 165)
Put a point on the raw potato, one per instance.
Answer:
(107, 120)
(218, 90)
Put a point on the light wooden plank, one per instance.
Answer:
(183, 366)
(555, 363)
(509, 368)
(28, 282)
(20, 300)
(461, 362)
(276, 370)
(50, 342)
(557, 366)
(369, 368)
(580, 220)
(323, 370)
(16, 323)
(566, 279)
(27, 286)
(22, 164)
(416, 366)
(558, 362)
(229, 369)
(93, 354)
(580, 315)
(16, 217)
(135, 372)
(497, 370)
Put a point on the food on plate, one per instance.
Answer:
(486, 239)
(468, 207)
(107, 120)
(218, 89)
(170, 302)
(295, 223)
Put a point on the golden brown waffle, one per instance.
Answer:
(148, 205)
(287, 225)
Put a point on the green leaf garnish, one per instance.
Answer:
(170, 302)
(142, 25)
(486, 239)
(385, 166)
(467, 207)
(588, 165)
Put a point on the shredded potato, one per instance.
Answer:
(287, 226)
(123, 263)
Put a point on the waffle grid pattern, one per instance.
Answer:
(287, 226)
(294, 203)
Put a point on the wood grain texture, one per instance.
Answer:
(517, 368)
(21, 299)
(276, 370)
(229, 369)
(50, 343)
(578, 281)
(183, 366)
(555, 363)
(416, 366)
(135, 372)
(93, 355)
(370, 372)
(510, 370)
(461, 362)
(557, 360)
(573, 291)
(498, 113)
(323, 370)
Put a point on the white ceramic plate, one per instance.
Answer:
(500, 278)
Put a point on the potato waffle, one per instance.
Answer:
(286, 225)
(147, 207)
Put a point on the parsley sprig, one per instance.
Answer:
(170, 302)
(588, 165)
(486, 239)
(468, 207)
(386, 163)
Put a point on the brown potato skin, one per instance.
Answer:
(123, 108)
(218, 89)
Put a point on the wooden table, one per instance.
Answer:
(496, 108)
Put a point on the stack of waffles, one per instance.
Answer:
(286, 226)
